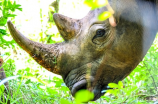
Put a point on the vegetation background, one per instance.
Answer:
(32, 84)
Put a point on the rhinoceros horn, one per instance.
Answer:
(67, 27)
(44, 54)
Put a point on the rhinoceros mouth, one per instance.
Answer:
(79, 86)
(83, 84)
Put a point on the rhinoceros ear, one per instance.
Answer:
(67, 27)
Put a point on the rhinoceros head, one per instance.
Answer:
(94, 52)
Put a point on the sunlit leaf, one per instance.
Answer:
(107, 98)
(51, 90)
(19, 9)
(100, 3)
(2, 89)
(83, 96)
(3, 21)
(89, 3)
(96, 3)
(113, 85)
(11, 15)
(17, 6)
(14, 3)
(28, 81)
(64, 101)
(120, 84)
(105, 15)
(113, 91)
(9, 4)
(58, 83)
(3, 32)
(5, 2)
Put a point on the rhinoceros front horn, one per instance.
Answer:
(44, 54)
(67, 27)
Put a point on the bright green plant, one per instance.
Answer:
(7, 9)
(96, 3)
(100, 3)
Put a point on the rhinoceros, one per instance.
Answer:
(96, 52)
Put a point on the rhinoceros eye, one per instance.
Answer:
(100, 33)
(100, 36)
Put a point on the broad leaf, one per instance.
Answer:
(105, 15)
(113, 85)
(96, 3)
(83, 96)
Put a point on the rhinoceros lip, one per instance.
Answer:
(77, 86)
(83, 85)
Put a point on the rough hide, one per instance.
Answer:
(106, 52)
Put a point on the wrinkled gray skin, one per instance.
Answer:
(88, 61)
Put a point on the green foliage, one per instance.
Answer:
(83, 96)
(105, 15)
(96, 3)
(64, 101)
(2, 87)
(7, 8)
(53, 8)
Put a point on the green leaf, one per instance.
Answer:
(58, 83)
(14, 3)
(83, 96)
(113, 85)
(113, 91)
(64, 101)
(9, 4)
(4, 12)
(120, 84)
(28, 81)
(51, 90)
(89, 3)
(12, 9)
(3, 32)
(105, 15)
(2, 89)
(107, 98)
(96, 3)
(3, 21)
(19, 9)
(17, 6)
(11, 15)
(5, 3)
